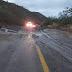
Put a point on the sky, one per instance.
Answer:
(46, 7)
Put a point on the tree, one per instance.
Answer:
(65, 17)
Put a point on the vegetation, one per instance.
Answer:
(65, 17)
(63, 22)
(12, 14)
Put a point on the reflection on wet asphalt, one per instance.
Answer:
(18, 52)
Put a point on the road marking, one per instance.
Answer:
(46, 35)
(45, 67)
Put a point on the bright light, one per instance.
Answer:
(34, 26)
(29, 24)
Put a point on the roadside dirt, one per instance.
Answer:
(67, 34)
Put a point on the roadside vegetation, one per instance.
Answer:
(63, 22)
(14, 15)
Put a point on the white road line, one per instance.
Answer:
(46, 35)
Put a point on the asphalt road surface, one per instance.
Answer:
(37, 51)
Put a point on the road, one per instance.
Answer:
(37, 51)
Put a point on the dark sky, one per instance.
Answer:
(46, 7)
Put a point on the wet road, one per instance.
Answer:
(35, 52)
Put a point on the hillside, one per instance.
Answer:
(40, 16)
(12, 14)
